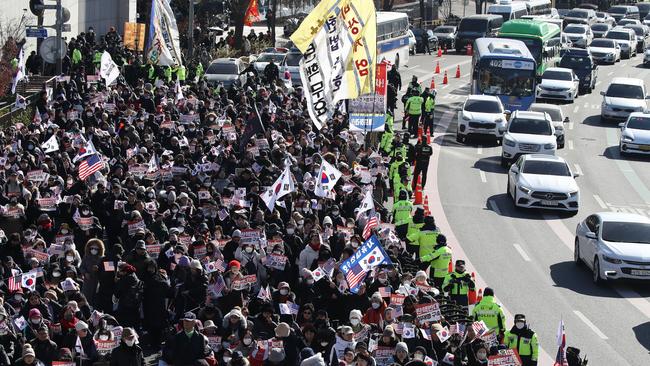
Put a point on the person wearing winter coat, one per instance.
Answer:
(29, 357)
(127, 291)
(344, 339)
(234, 326)
(188, 346)
(89, 268)
(375, 313)
(401, 356)
(46, 350)
(157, 290)
(284, 333)
(128, 353)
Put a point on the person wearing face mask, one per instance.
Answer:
(524, 340)
(128, 352)
(479, 356)
(89, 268)
(375, 313)
(457, 284)
(310, 253)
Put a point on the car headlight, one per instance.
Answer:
(465, 118)
(627, 138)
(550, 146)
(509, 142)
(559, 128)
(525, 189)
(573, 194)
(499, 120)
(612, 260)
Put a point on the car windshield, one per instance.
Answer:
(444, 30)
(222, 68)
(577, 14)
(617, 10)
(530, 126)
(293, 59)
(637, 29)
(482, 106)
(267, 57)
(557, 75)
(555, 114)
(639, 123)
(473, 25)
(574, 30)
(501, 81)
(600, 27)
(625, 91)
(604, 43)
(647, 17)
(575, 62)
(626, 232)
(618, 35)
(547, 168)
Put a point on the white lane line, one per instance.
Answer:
(595, 106)
(494, 207)
(600, 201)
(591, 325)
(575, 109)
(522, 253)
(578, 170)
(570, 142)
(571, 125)
(586, 105)
(483, 177)
(597, 82)
(610, 73)
(479, 150)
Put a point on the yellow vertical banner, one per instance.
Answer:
(134, 36)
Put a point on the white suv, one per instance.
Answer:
(482, 115)
(528, 133)
(626, 38)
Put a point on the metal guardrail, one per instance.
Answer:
(6, 113)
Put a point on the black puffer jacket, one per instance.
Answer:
(124, 355)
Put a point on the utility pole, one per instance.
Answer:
(59, 36)
(190, 29)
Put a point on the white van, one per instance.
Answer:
(508, 9)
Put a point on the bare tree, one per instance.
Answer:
(14, 28)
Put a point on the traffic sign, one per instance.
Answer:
(36, 32)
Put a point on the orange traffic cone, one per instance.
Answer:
(469, 50)
(429, 139)
(480, 295)
(471, 294)
(433, 84)
(458, 72)
(418, 192)
(437, 68)
(451, 268)
(444, 79)
(440, 52)
(420, 131)
(426, 206)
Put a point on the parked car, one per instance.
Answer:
(446, 36)
(226, 71)
(583, 65)
(635, 134)
(421, 34)
(412, 42)
(605, 50)
(599, 29)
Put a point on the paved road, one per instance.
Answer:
(526, 256)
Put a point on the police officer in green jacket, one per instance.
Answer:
(424, 239)
(457, 284)
(168, 74)
(387, 136)
(181, 74)
(402, 182)
(413, 108)
(414, 227)
(97, 60)
(402, 214)
(523, 340)
(199, 70)
(490, 313)
(439, 260)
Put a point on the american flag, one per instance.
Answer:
(89, 166)
(217, 287)
(15, 283)
(479, 328)
(355, 276)
(384, 291)
(289, 308)
(372, 223)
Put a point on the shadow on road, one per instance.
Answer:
(614, 153)
(491, 164)
(506, 207)
(578, 279)
(463, 90)
(597, 122)
(642, 334)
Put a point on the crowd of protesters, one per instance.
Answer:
(167, 247)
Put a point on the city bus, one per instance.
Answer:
(540, 37)
(392, 38)
(504, 68)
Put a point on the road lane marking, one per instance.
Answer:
(591, 325)
(570, 142)
(522, 253)
(600, 201)
(494, 207)
(570, 125)
(479, 150)
(625, 167)
(443, 223)
(483, 177)
(610, 73)
(575, 109)
(595, 106)
(597, 82)
(578, 170)
(586, 105)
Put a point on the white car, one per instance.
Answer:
(622, 97)
(481, 115)
(628, 21)
(227, 71)
(527, 133)
(412, 42)
(626, 38)
(557, 117)
(646, 57)
(558, 83)
(579, 34)
(543, 181)
(605, 50)
(635, 134)
(614, 245)
(265, 58)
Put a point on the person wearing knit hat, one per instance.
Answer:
(128, 352)
(234, 266)
(29, 356)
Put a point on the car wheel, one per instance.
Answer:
(596, 272)
(460, 138)
(576, 253)
(504, 162)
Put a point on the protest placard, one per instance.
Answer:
(244, 282)
(276, 261)
(428, 312)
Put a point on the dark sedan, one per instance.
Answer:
(419, 37)
(446, 36)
